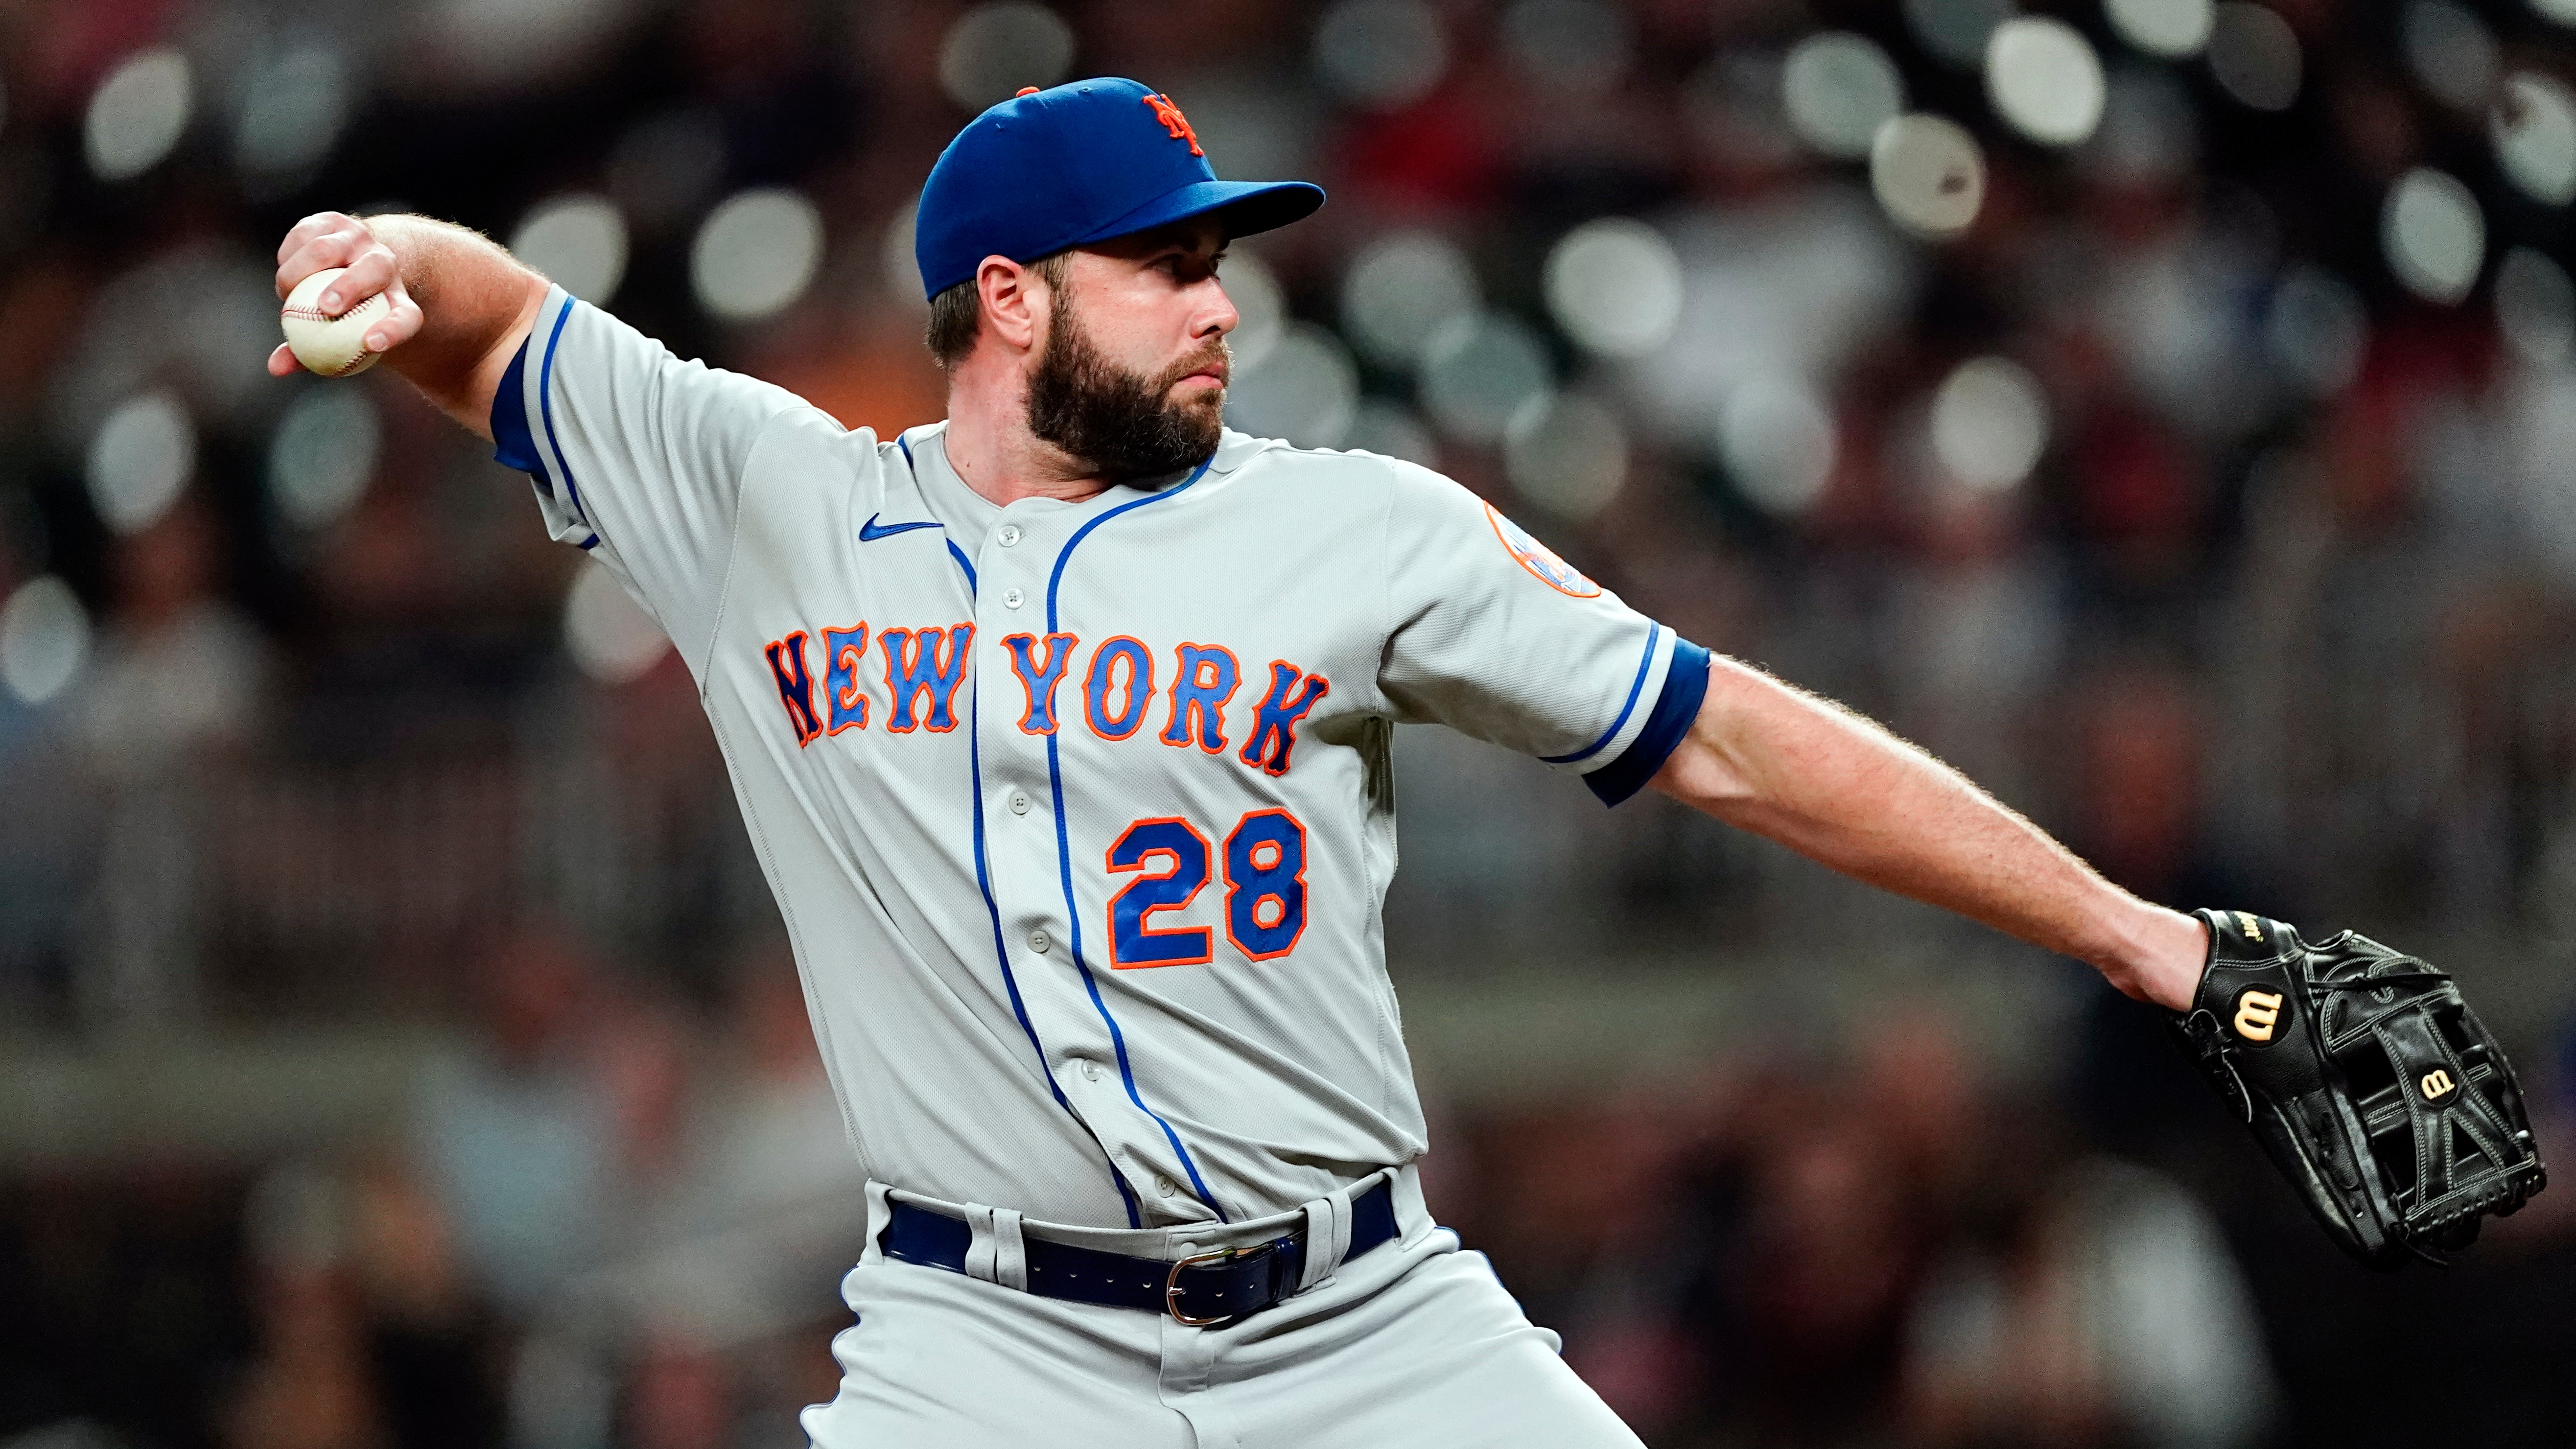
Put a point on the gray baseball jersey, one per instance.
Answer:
(1079, 814)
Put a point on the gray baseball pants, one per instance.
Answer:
(1415, 1343)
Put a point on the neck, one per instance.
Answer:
(991, 447)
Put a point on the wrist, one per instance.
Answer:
(2159, 957)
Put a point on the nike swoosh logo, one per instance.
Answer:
(869, 532)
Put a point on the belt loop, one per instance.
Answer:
(1412, 1214)
(979, 1246)
(1010, 1250)
(1328, 1238)
(880, 1212)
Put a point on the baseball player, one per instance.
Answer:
(1061, 731)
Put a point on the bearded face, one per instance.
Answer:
(1127, 425)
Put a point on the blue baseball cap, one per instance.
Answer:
(1084, 162)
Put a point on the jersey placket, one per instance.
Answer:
(1032, 852)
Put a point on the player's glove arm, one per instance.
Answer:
(459, 305)
(1838, 789)
(2362, 1072)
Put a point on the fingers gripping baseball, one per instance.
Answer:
(329, 240)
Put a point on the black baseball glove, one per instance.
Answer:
(2368, 1080)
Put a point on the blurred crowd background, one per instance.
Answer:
(2163, 409)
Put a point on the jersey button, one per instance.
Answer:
(1164, 1186)
(1090, 1070)
(1038, 942)
(1019, 804)
(1013, 598)
(1010, 534)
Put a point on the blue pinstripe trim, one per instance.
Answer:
(546, 410)
(1064, 858)
(1636, 686)
(1001, 952)
(907, 452)
(959, 554)
(590, 543)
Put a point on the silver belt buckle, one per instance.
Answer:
(1172, 1287)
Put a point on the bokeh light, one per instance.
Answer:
(2254, 56)
(140, 458)
(1579, 47)
(1776, 439)
(2172, 29)
(1566, 453)
(1254, 290)
(137, 114)
(2451, 52)
(2533, 127)
(2535, 307)
(1957, 30)
(1989, 423)
(756, 254)
(501, 46)
(2562, 11)
(2150, 129)
(1478, 370)
(1381, 54)
(1615, 286)
(666, 166)
(291, 110)
(2315, 329)
(1928, 173)
(44, 637)
(1393, 430)
(995, 49)
(1399, 291)
(2043, 77)
(608, 634)
(1838, 89)
(2433, 235)
(898, 267)
(578, 241)
(323, 454)
(1305, 389)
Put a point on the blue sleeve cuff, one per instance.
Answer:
(1685, 685)
(513, 445)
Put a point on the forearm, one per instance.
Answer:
(1842, 791)
(476, 303)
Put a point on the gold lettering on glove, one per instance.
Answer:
(2257, 1012)
(2436, 1083)
(2253, 932)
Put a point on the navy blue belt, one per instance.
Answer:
(1203, 1288)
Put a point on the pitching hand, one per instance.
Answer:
(334, 239)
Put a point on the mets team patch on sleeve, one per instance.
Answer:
(1541, 560)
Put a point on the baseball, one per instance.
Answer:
(334, 346)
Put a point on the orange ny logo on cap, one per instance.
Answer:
(1174, 122)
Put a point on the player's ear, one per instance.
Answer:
(1013, 298)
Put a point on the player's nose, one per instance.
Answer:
(1216, 315)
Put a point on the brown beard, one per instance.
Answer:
(1123, 424)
